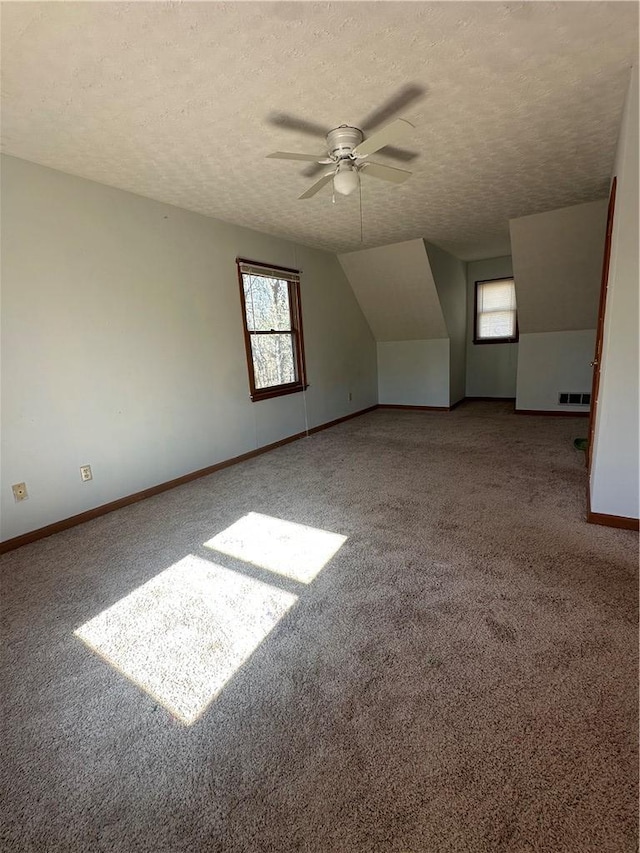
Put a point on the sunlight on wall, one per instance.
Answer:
(289, 549)
(182, 635)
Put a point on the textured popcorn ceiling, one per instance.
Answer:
(171, 101)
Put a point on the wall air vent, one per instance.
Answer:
(574, 398)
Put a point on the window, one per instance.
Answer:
(495, 317)
(272, 315)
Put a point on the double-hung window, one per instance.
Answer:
(495, 316)
(270, 298)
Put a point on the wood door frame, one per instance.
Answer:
(597, 358)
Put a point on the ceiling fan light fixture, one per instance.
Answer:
(347, 153)
(345, 180)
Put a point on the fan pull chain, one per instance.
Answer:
(360, 194)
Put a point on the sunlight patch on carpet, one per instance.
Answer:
(183, 634)
(293, 550)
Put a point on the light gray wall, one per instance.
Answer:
(557, 262)
(550, 362)
(615, 464)
(450, 276)
(395, 288)
(122, 344)
(491, 368)
(413, 373)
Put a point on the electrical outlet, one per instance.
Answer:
(85, 473)
(20, 492)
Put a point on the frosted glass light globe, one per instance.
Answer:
(345, 180)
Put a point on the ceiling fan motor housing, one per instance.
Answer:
(342, 140)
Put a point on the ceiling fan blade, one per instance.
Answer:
(301, 125)
(386, 173)
(396, 130)
(289, 155)
(398, 102)
(314, 188)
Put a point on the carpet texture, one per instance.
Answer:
(460, 675)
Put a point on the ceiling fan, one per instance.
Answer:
(348, 149)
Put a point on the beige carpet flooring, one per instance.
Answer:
(460, 674)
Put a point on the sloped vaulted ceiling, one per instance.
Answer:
(396, 291)
(557, 265)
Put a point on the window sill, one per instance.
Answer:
(279, 391)
(496, 341)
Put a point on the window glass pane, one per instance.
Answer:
(497, 324)
(497, 296)
(273, 361)
(267, 301)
